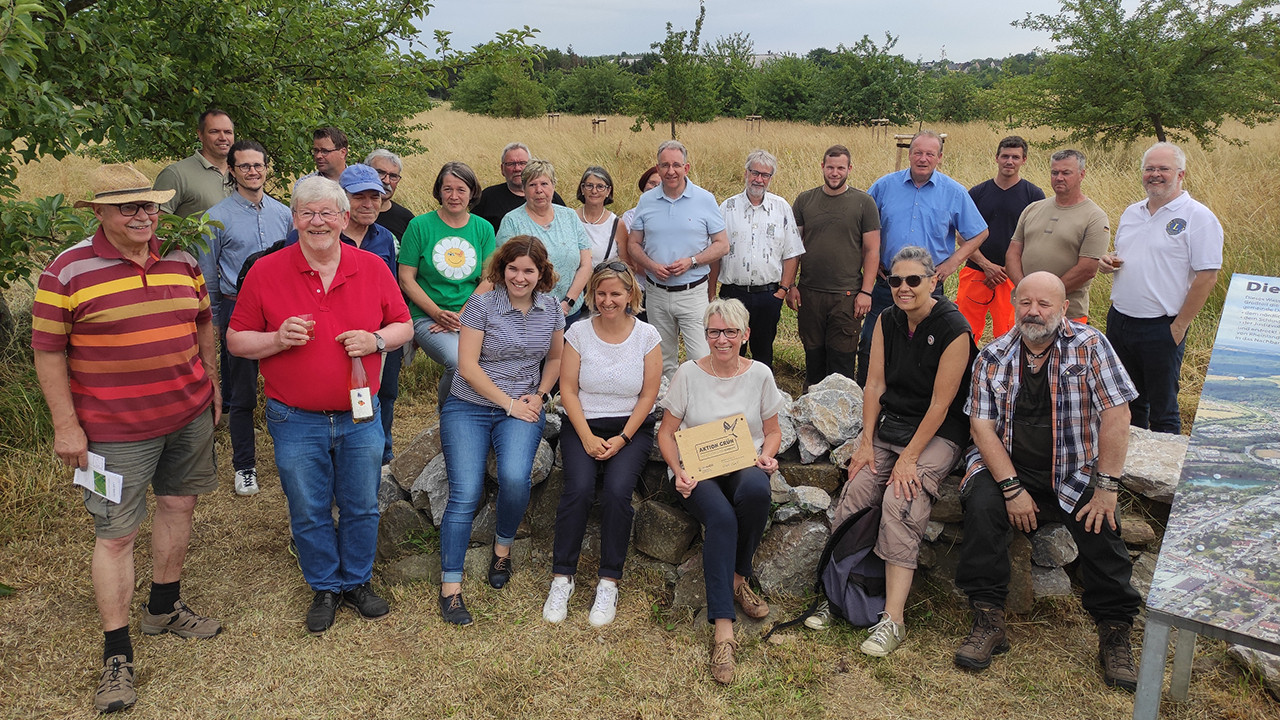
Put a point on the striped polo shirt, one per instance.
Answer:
(129, 333)
(515, 344)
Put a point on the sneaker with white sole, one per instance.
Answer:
(247, 482)
(821, 618)
(556, 607)
(886, 636)
(605, 607)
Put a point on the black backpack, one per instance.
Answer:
(850, 574)
(249, 261)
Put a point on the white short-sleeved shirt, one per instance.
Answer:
(760, 238)
(698, 397)
(1162, 252)
(610, 375)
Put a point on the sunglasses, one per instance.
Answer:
(614, 265)
(895, 281)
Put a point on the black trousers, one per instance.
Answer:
(983, 573)
(764, 310)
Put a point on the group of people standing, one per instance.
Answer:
(517, 296)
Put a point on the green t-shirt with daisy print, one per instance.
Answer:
(449, 260)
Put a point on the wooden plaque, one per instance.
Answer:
(716, 448)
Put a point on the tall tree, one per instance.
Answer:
(866, 82)
(729, 62)
(679, 89)
(1175, 69)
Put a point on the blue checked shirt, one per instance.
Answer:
(1090, 379)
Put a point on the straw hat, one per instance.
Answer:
(121, 183)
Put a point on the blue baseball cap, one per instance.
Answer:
(360, 177)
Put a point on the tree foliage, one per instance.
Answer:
(729, 66)
(784, 87)
(1175, 69)
(866, 82)
(597, 89)
(680, 89)
(505, 90)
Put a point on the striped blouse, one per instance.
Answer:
(515, 344)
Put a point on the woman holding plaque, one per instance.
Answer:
(733, 507)
(913, 427)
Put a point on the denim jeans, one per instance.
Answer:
(1154, 363)
(467, 431)
(441, 347)
(734, 509)
(325, 458)
(239, 395)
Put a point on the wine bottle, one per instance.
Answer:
(361, 399)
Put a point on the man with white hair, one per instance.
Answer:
(498, 200)
(1168, 252)
(764, 253)
(392, 215)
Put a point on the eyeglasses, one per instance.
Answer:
(1160, 170)
(614, 265)
(247, 167)
(895, 281)
(323, 151)
(385, 175)
(758, 174)
(515, 164)
(131, 209)
(594, 187)
(664, 167)
(325, 215)
(728, 333)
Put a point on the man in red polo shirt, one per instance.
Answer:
(124, 349)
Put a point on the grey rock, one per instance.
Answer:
(952, 533)
(430, 492)
(1021, 587)
(787, 513)
(664, 532)
(811, 443)
(638, 562)
(835, 414)
(839, 383)
(388, 492)
(1153, 466)
(820, 475)
(1264, 665)
(655, 484)
(543, 461)
(946, 507)
(788, 428)
(551, 430)
(690, 590)
(779, 490)
(543, 501)
(476, 564)
(1052, 546)
(810, 500)
(485, 523)
(411, 459)
(1136, 531)
(397, 526)
(927, 559)
(1144, 568)
(787, 560)
(1048, 582)
(840, 455)
(933, 530)
(413, 569)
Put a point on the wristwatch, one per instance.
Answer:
(545, 397)
(382, 344)
(694, 260)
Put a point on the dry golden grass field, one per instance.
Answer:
(651, 663)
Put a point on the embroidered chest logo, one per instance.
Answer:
(1175, 226)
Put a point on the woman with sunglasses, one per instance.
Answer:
(913, 427)
(609, 377)
(595, 191)
(733, 507)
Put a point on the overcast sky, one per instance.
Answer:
(967, 29)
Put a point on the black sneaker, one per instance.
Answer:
(453, 610)
(323, 608)
(365, 602)
(499, 570)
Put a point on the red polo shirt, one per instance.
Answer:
(362, 296)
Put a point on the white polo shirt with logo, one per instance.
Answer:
(1162, 252)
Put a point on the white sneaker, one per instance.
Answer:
(820, 619)
(556, 607)
(605, 607)
(885, 637)
(247, 482)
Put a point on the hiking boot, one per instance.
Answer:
(453, 610)
(752, 605)
(987, 638)
(556, 608)
(886, 636)
(366, 602)
(722, 661)
(181, 622)
(115, 688)
(323, 607)
(821, 618)
(247, 482)
(499, 570)
(1116, 655)
(605, 608)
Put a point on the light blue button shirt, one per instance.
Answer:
(246, 229)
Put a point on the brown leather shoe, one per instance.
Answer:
(1116, 655)
(987, 638)
(752, 604)
(722, 660)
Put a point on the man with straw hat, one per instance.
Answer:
(124, 349)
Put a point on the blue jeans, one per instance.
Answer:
(441, 347)
(467, 431)
(325, 458)
(1154, 363)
